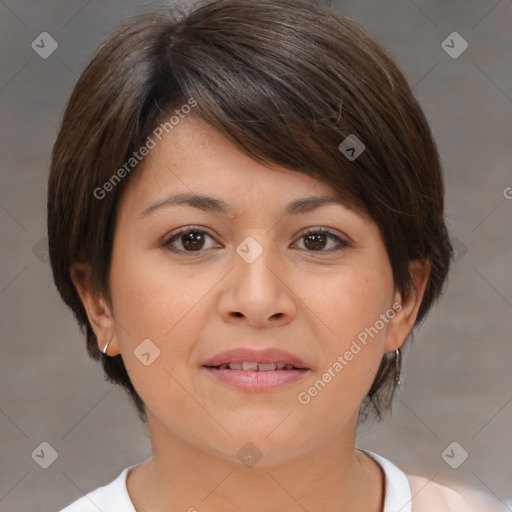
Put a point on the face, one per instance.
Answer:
(191, 282)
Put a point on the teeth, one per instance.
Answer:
(253, 366)
(249, 366)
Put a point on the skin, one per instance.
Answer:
(312, 303)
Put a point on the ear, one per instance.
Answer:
(402, 323)
(98, 312)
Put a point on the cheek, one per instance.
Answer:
(153, 302)
(353, 302)
(150, 295)
(154, 299)
(351, 307)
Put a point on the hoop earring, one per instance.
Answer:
(398, 366)
(105, 349)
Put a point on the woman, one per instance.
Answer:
(245, 214)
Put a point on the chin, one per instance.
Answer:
(262, 447)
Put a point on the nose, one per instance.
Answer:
(257, 290)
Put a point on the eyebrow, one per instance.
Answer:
(211, 204)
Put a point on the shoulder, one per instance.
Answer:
(91, 501)
(428, 495)
(105, 498)
(412, 493)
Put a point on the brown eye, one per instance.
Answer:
(316, 240)
(190, 240)
(187, 240)
(193, 241)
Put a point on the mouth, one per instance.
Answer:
(252, 366)
(256, 370)
(247, 359)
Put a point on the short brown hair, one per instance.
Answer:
(287, 81)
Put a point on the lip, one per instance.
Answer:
(268, 355)
(253, 380)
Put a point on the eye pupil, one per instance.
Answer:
(193, 238)
(318, 241)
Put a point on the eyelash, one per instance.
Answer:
(167, 244)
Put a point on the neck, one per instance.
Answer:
(181, 476)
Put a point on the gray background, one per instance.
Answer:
(457, 373)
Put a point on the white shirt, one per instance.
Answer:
(400, 491)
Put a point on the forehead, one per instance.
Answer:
(194, 159)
